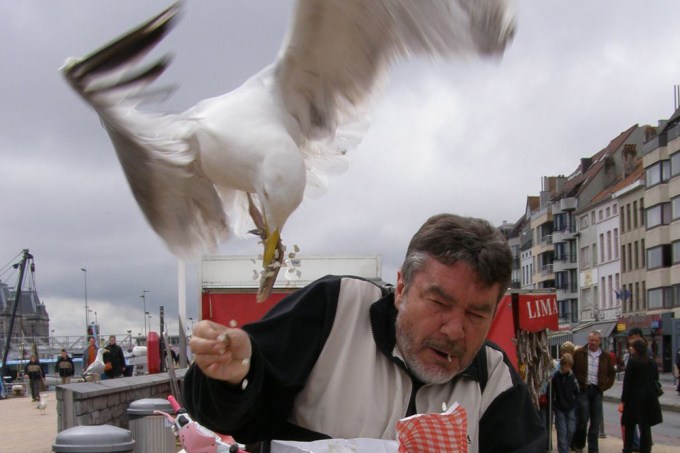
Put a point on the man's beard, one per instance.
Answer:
(427, 373)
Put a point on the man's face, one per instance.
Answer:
(112, 340)
(63, 354)
(91, 341)
(443, 319)
(594, 341)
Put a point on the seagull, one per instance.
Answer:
(96, 368)
(257, 150)
(42, 405)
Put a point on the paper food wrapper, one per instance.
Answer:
(421, 433)
(425, 433)
(359, 445)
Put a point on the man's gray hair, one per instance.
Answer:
(450, 239)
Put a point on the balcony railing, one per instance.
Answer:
(547, 239)
(547, 269)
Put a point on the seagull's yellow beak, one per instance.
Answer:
(271, 263)
(270, 248)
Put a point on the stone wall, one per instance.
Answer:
(107, 401)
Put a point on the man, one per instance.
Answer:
(35, 374)
(64, 367)
(345, 358)
(90, 352)
(595, 373)
(114, 362)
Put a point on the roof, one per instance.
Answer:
(636, 174)
(579, 178)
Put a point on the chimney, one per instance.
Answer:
(586, 162)
(630, 158)
(650, 133)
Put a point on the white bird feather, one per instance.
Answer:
(257, 148)
(42, 404)
(96, 368)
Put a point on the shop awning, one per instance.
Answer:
(605, 329)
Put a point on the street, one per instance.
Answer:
(667, 433)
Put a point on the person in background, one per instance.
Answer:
(345, 357)
(64, 367)
(639, 398)
(634, 333)
(90, 352)
(115, 358)
(35, 374)
(565, 395)
(595, 373)
(677, 368)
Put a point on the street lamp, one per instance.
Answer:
(87, 319)
(143, 296)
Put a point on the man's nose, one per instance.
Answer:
(452, 325)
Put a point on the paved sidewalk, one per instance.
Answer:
(29, 430)
(33, 432)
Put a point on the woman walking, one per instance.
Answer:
(639, 398)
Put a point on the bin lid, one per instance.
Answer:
(94, 439)
(146, 406)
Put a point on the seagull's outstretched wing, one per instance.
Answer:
(181, 205)
(338, 50)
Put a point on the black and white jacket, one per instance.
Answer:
(325, 364)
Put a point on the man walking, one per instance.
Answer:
(595, 373)
(64, 367)
(115, 358)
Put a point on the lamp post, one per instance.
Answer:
(87, 319)
(143, 296)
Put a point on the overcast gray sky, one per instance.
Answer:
(471, 137)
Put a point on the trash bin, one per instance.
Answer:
(94, 439)
(152, 432)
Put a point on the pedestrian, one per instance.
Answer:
(64, 367)
(595, 373)
(90, 352)
(677, 369)
(565, 394)
(35, 374)
(634, 333)
(640, 398)
(347, 358)
(114, 361)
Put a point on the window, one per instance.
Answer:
(657, 173)
(675, 207)
(585, 257)
(592, 218)
(599, 215)
(616, 243)
(630, 256)
(608, 212)
(675, 164)
(609, 245)
(594, 254)
(655, 298)
(623, 221)
(584, 222)
(623, 259)
(601, 248)
(676, 252)
(642, 247)
(659, 256)
(635, 215)
(657, 215)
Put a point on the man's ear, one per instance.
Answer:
(399, 291)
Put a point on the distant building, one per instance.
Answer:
(31, 320)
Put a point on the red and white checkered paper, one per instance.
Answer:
(427, 433)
